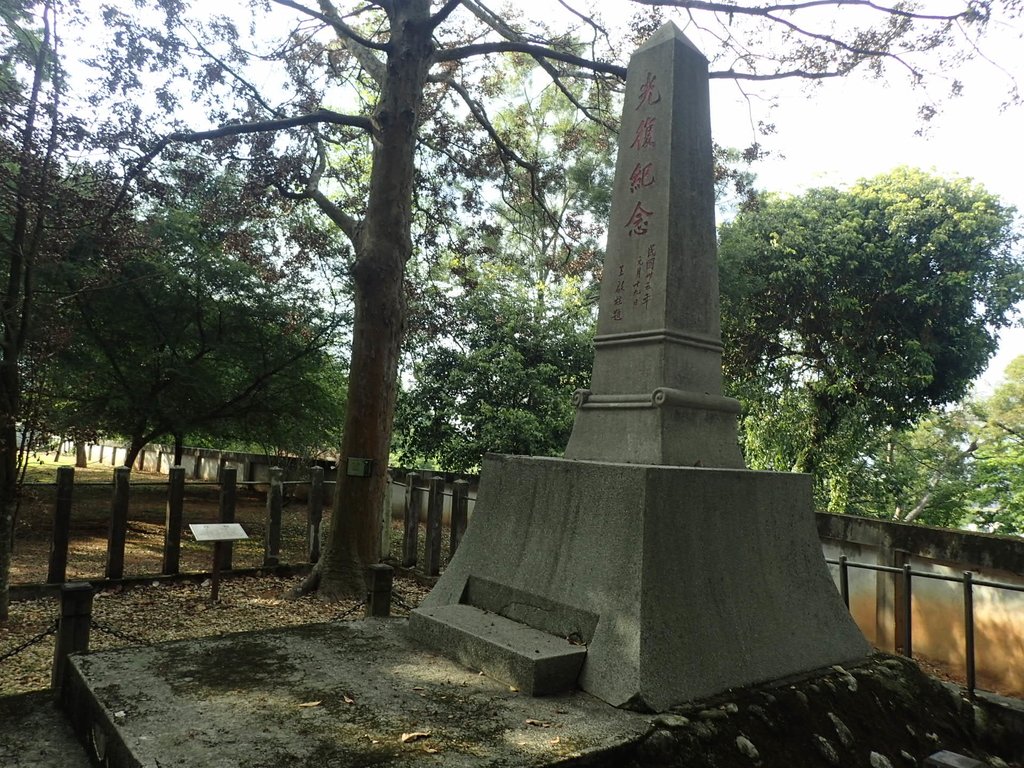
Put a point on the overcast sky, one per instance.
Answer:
(854, 128)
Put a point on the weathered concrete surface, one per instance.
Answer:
(682, 582)
(238, 701)
(35, 734)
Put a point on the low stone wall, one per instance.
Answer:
(938, 606)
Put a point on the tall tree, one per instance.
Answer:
(367, 86)
(861, 310)
(31, 134)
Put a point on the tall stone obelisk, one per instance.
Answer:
(656, 391)
(647, 567)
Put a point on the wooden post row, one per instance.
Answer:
(460, 515)
(228, 492)
(173, 521)
(435, 513)
(72, 629)
(275, 506)
(58, 566)
(410, 536)
(118, 523)
(316, 512)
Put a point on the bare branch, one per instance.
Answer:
(768, 10)
(732, 74)
(446, 10)
(537, 51)
(240, 129)
(329, 15)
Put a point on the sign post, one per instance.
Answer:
(219, 534)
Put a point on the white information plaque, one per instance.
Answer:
(218, 531)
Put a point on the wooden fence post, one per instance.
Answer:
(410, 535)
(460, 515)
(316, 512)
(58, 570)
(435, 512)
(118, 523)
(378, 593)
(173, 520)
(272, 533)
(228, 487)
(72, 629)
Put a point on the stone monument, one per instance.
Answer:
(648, 567)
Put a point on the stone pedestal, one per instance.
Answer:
(682, 573)
(681, 582)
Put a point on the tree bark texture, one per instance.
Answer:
(383, 247)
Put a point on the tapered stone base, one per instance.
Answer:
(682, 582)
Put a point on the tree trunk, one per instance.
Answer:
(8, 492)
(179, 448)
(383, 247)
(134, 449)
(81, 459)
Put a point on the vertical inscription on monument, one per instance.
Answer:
(634, 261)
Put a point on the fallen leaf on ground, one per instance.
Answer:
(311, 704)
(348, 699)
(538, 723)
(414, 736)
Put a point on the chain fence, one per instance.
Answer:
(349, 611)
(21, 647)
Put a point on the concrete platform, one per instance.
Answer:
(340, 694)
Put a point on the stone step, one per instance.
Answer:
(532, 661)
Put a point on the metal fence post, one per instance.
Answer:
(378, 596)
(969, 632)
(460, 515)
(173, 520)
(228, 493)
(72, 628)
(118, 523)
(410, 535)
(844, 581)
(275, 506)
(58, 568)
(907, 603)
(316, 512)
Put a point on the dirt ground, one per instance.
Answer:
(158, 611)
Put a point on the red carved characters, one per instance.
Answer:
(638, 224)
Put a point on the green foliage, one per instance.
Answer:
(860, 310)
(501, 382)
(199, 329)
(925, 473)
(502, 330)
(998, 497)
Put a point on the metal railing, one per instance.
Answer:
(906, 574)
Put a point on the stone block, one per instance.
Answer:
(532, 661)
